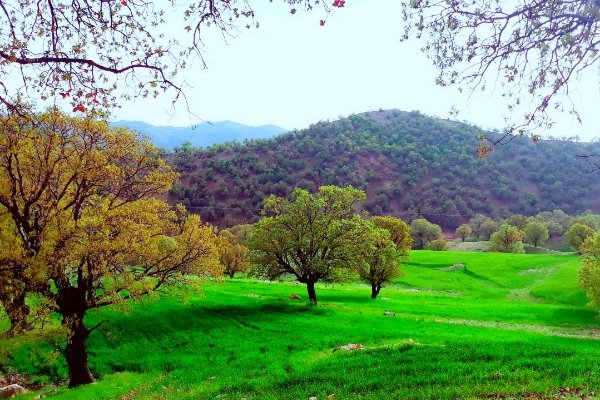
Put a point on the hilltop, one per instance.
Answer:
(408, 163)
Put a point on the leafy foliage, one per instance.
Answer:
(536, 233)
(382, 259)
(423, 232)
(577, 234)
(312, 237)
(399, 231)
(93, 53)
(409, 164)
(78, 201)
(533, 48)
(463, 231)
(508, 239)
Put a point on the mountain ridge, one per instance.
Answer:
(201, 135)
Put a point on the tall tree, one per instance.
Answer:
(313, 237)
(534, 48)
(87, 227)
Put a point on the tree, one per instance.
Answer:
(423, 232)
(488, 227)
(533, 48)
(87, 228)
(518, 220)
(588, 219)
(399, 231)
(589, 274)
(234, 255)
(508, 239)
(536, 233)
(381, 259)
(463, 231)
(577, 234)
(314, 237)
(91, 53)
(438, 244)
(475, 223)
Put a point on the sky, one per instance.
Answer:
(292, 72)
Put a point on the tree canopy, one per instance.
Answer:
(78, 207)
(313, 237)
(508, 239)
(92, 53)
(530, 49)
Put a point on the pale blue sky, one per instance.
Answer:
(292, 72)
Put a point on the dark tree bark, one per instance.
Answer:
(231, 273)
(312, 295)
(73, 306)
(375, 288)
(76, 352)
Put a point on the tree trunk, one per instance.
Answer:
(17, 312)
(231, 273)
(312, 295)
(375, 288)
(76, 351)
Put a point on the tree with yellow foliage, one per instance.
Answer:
(87, 230)
(234, 255)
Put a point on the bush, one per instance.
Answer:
(438, 245)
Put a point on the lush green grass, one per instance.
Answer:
(495, 326)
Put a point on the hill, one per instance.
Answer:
(202, 135)
(409, 164)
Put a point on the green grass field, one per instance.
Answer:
(467, 326)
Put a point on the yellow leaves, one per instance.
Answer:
(85, 197)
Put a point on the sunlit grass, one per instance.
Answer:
(458, 333)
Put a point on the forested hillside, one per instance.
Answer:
(409, 165)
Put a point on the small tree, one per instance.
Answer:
(589, 275)
(313, 237)
(438, 245)
(463, 231)
(399, 231)
(488, 227)
(234, 255)
(577, 234)
(536, 233)
(475, 223)
(508, 239)
(381, 262)
(423, 232)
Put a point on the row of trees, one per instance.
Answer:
(319, 237)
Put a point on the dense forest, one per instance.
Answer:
(409, 164)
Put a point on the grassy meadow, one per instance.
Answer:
(466, 326)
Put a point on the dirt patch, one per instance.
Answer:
(569, 332)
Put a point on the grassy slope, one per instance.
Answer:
(494, 326)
